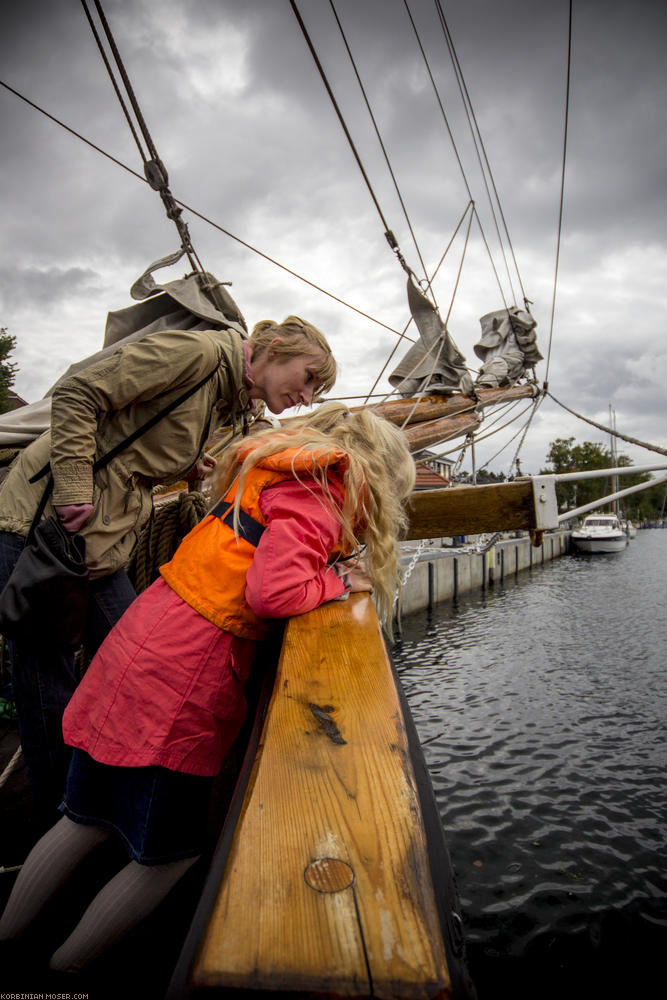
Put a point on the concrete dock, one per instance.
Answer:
(436, 570)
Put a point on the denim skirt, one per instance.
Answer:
(159, 815)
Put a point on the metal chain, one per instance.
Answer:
(489, 543)
(411, 566)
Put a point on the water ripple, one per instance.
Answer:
(542, 705)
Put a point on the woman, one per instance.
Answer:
(163, 699)
(282, 364)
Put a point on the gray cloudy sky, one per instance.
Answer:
(241, 119)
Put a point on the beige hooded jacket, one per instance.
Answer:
(98, 407)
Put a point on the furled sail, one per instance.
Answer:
(195, 302)
(507, 348)
(434, 364)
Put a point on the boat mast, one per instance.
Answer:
(612, 449)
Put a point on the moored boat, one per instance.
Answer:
(600, 533)
(629, 528)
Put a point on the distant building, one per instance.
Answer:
(15, 401)
(433, 472)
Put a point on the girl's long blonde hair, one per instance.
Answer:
(379, 477)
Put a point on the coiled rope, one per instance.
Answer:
(159, 540)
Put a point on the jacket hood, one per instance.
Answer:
(303, 460)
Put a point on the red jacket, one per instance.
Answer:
(210, 566)
(166, 687)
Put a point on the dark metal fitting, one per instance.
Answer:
(156, 174)
(391, 239)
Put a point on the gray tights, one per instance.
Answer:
(119, 906)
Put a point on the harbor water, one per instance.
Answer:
(541, 705)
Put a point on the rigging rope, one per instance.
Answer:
(156, 174)
(154, 169)
(476, 134)
(379, 137)
(11, 766)
(609, 430)
(562, 191)
(114, 83)
(483, 437)
(157, 543)
(441, 347)
(458, 158)
(398, 342)
(389, 236)
(515, 460)
(204, 218)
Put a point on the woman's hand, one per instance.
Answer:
(74, 515)
(201, 469)
(359, 580)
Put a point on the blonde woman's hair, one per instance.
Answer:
(296, 336)
(379, 478)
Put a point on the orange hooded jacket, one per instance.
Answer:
(209, 568)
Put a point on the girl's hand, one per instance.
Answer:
(360, 581)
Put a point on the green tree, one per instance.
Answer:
(565, 455)
(649, 505)
(8, 368)
(484, 476)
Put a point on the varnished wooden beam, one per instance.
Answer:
(472, 510)
(423, 435)
(327, 890)
(416, 410)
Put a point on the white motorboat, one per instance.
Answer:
(600, 533)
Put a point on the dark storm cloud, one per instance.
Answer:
(240, 116)
(44, 288)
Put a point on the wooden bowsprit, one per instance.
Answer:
(336, 880)
(524, 504)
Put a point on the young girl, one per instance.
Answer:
(162, 702)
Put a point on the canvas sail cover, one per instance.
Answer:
(433, 364)
(507, 348)
(195, 302)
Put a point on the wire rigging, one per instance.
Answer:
(441, 345)
(379, 137)
(388, 233)
(156, 176)
(457, 155)
(398, 342)
(114, 83)
(154, 168)
(609, 430)
(515, 461)
(389, 236)
(477, 135)
(562, 192)
(204, 218)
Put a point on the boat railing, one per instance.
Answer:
(565, 477)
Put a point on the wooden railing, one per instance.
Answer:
(327, 888)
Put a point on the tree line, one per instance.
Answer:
(567, 455)
(8, 368)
